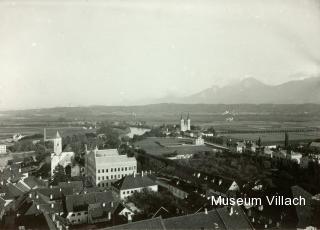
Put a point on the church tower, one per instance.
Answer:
(188, 123)
(57, 144)
(182, 126)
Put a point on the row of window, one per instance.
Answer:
(112, 177)
(115, 169)
(79, 214)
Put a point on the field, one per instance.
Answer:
(160, 146)
(276, 137)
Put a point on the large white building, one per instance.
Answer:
(106, 166)
(185, 125)
(58, 157)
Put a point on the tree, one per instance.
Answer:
(59, 175)
(286, 139)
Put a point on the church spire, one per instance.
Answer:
(58, 135)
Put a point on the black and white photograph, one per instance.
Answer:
(159, 114)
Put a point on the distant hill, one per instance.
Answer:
(252, 91)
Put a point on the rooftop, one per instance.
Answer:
(134, 181)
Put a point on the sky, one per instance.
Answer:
(121, 52)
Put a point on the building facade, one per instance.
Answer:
(106, 166)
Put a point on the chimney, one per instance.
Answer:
(85, 191)
(50, 186)
(231, 211)
(53, 217)
(30, 195)
(129, 218)
(19, 170)
(103, 204)
(86, 148)
(51, 196)
(38, 206)
(37, 196)
(109, 215)
(206, 211)
(134, 174)
(142, 174)
(68, 182)
(111, 204)
(52, 205)
(220, 181)
(60, 189)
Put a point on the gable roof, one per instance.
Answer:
(155, 223)
(134, 181)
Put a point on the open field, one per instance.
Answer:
(276, 137)
(160, 146)
(7, 131)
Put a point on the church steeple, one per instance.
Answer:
(58, 135)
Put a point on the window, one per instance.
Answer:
(111, 176)
(123, 192)
(131, 191)
(102, 170)
(79, 213)
(86, 213)
(111, 169)
(115, 169)
(98, 185)
(106, 170)
(122, 169)
(107, 178)
(125, 168)
(102, 177)
(98, 170)
(73, 214)
(128, 192)
(118, 169)
(119, 176)
(98, 178)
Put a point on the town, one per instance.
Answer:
(135, 175)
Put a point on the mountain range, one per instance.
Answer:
(253, 91)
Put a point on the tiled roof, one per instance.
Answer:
(77, 186)
(33, 182)
(214, 219)
(81, 202)
(134, 181)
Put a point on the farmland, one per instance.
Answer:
(159, 146)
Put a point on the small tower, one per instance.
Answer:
(57, 144)
(182, 125)
(188, 123)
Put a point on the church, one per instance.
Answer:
(58, 157)
(185, 124)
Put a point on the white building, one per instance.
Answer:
(199, 141)
(106, 166)
(134, 183)
(3, 149)
(185, 125)
(58, 157)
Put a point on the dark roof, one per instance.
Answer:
(56, 192)
(100, 211)
(155, 223)
(215, 219)
(81, 202)
(236, 220)
(134, 181)
(34, 182)
(180, 184)
(77, 186)
(211, 220)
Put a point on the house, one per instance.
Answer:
(295, 156)
(315, 145)
(134, 183)
(218, 186)
(178, 188)
(90, 207)
(3, 149)
(199, 141)
(240, 147)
